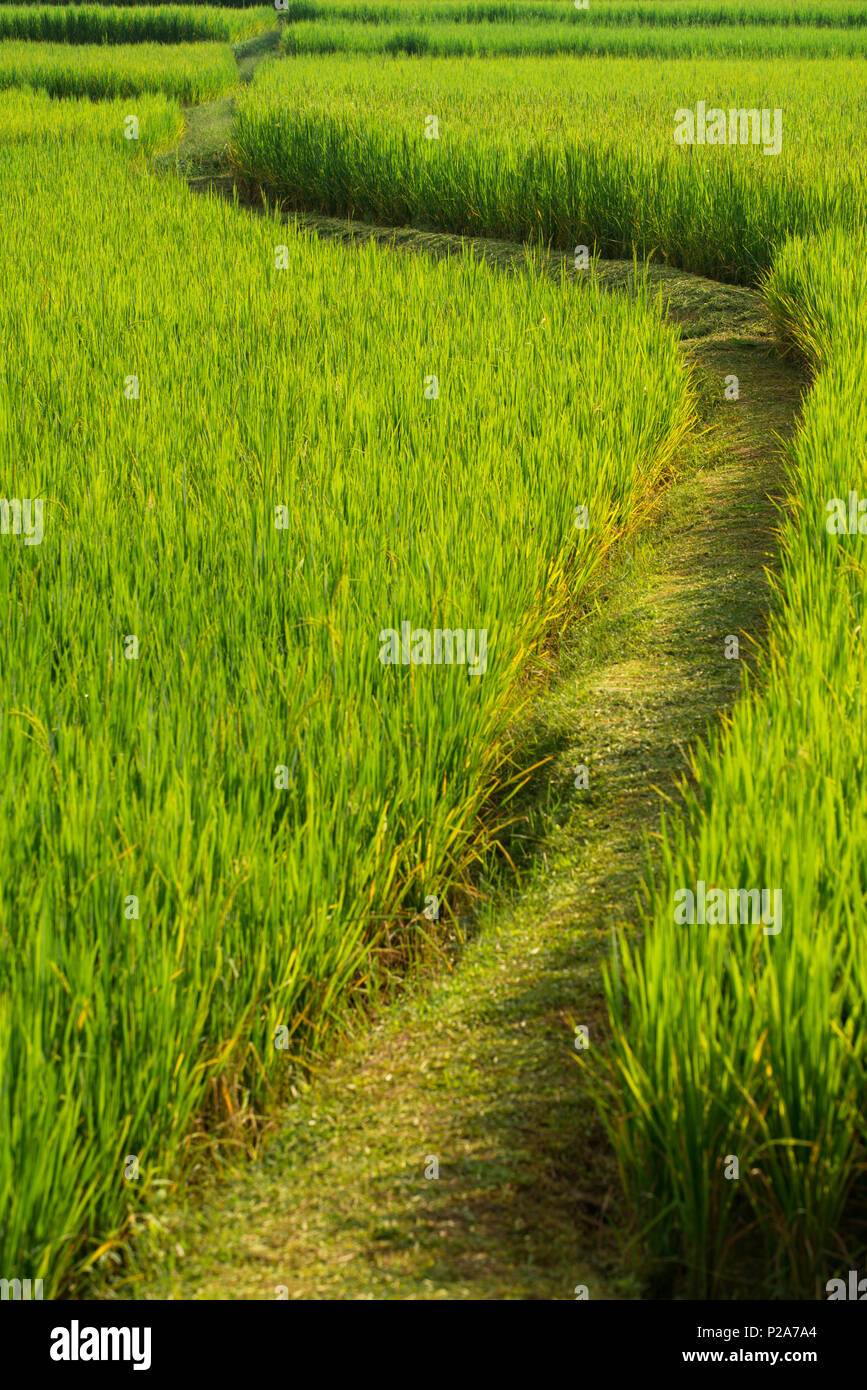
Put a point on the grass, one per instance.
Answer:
(603, 13)
(272, 805)
(185, 72)
(496, 39)
(32, 118)
(230, 898)
(666, 13)
(110, 24)
(558, 151)
(763, 1056)
(476, 1065)
(201, 5)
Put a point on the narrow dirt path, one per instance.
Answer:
(475, 1066)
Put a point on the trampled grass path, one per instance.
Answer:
(475, 1066)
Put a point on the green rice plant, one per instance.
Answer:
(665, 13)
(187, 72)
(604, 13)
(135, 4)
(730, 1040)
(144, 23)
(222, 812)
(726, 1041)
(31, 117)
(593, 40)
(563, 152)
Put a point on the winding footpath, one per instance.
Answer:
(448, 1149)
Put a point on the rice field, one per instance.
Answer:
(313, 518)
(500, 40)
(662, 14)
(91, 24)
(186, 72)
(33, 118)
(770, 1060)
(450, 28)
(557, 152)
(255, 778)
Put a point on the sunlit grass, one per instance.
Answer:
(187, 72)
(32, 117)
(562, 151)
(127, 24)
(156, 777)
(727, 1040)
